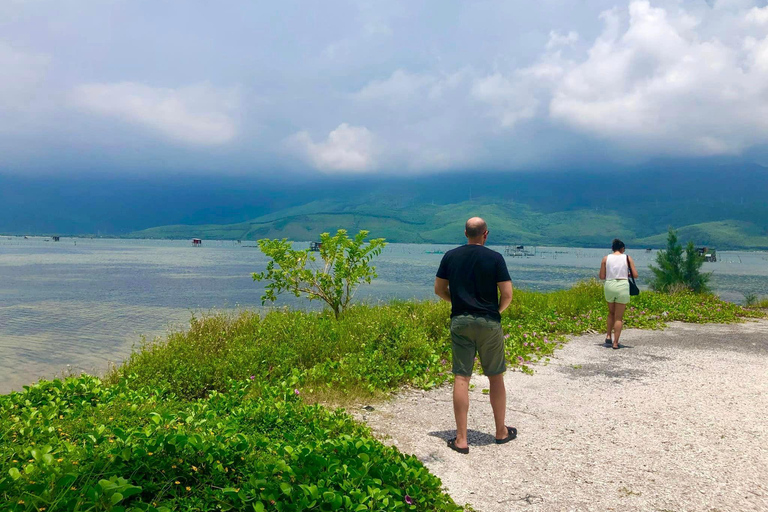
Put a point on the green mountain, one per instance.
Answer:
(509, 223)
(718, 202)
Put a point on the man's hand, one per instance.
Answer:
(441, 289)
(505, 288)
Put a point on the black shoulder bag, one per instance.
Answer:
(633, 289)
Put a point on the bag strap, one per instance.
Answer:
(629, 269)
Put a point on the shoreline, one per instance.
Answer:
(654, 247)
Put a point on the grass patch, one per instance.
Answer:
(216, 417)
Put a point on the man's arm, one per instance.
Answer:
(441, 289)
(505, 287)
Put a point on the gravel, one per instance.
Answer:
(676, 421)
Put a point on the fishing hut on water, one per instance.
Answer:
(518, 251)
(709, 255)
(315, 246)
(196, 242)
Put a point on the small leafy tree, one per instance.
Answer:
(345, 265)
(674, 270)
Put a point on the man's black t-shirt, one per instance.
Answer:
(472, 272)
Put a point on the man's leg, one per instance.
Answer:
(499, 404)
(461, 408)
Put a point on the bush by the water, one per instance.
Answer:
(217, 417)
(675, 271)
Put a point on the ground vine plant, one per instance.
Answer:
(223, 416)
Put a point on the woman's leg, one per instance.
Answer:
(618, 322)
(610, 322)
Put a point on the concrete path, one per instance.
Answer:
(676, 421)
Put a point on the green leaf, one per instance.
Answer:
(116, 498)
(258, 507)
(286, 488)
(15, 474)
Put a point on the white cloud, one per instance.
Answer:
(659, 85)
(758, 16)
(556, 39)
(22, 75)
(655, 80)
(196, 114)
(510, 100)
(398, 86)
(347, 149)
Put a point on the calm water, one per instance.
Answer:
(78, 304)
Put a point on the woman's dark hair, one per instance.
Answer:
(617, 245)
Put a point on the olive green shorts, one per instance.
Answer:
(477, 335)
(617, 290)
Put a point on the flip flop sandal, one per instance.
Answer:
(617, 347)
(452, 446)
(511, 434)
(608, 341)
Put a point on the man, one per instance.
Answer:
(469, 277)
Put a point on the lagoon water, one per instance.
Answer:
(79, 304)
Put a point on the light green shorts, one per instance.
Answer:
(617, 290)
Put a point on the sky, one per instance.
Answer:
(269, 88)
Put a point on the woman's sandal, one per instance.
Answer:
(608, 341)
(616, 347)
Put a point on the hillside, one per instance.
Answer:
(509, 222)
(714, 201)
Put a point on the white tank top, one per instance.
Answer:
(616, 267)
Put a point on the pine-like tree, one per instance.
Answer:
(673, 269)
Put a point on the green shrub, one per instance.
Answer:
(674, 271)
(77, 445)
(346, 264)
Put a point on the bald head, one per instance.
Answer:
(475, 229)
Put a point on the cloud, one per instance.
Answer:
(400, 85)
(556, 39)
(758, 16)
(23, 74)
(655, 80)
(196, 114)
(348, 149)
(659, 85)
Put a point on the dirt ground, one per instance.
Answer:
(675, 421)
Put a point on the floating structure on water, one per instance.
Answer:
(315, 246)
(517, 251)
(197, 242)
(709, 255)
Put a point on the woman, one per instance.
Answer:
(615, 270)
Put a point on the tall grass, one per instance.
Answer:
(375, 349)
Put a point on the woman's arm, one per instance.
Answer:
(602, 268)
(632, 267)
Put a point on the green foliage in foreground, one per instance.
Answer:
(76, 445)
(215, 418)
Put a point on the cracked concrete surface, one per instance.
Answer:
(678, 421)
